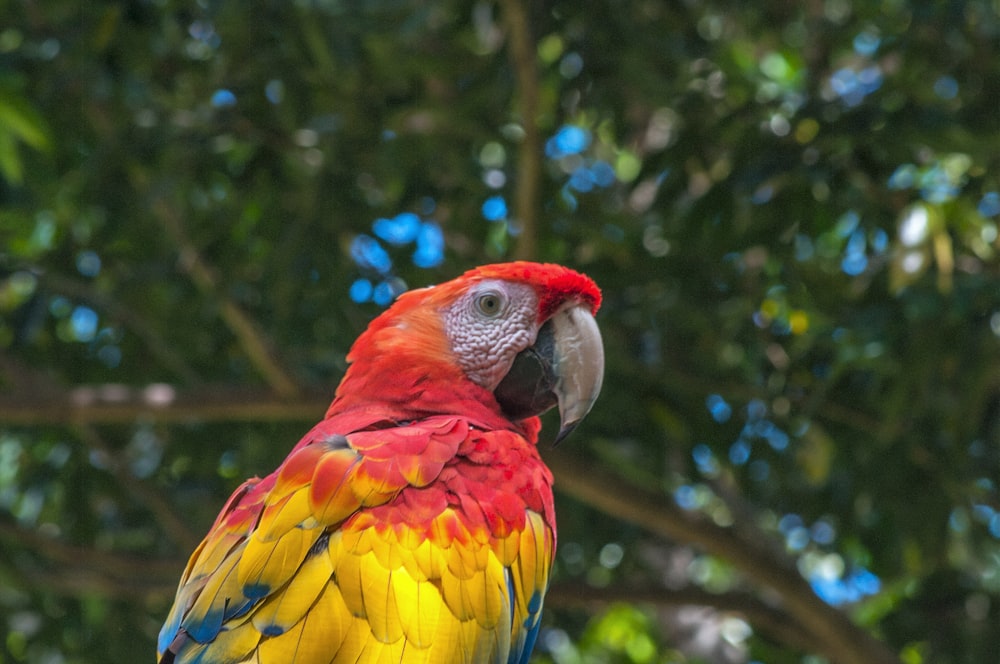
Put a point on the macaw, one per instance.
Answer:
(415, 522)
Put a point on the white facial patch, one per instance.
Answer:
(493, 322)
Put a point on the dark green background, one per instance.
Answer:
(798, 253)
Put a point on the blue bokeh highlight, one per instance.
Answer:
(495, 208)
(399, 230)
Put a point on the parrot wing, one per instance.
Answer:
(370, 547)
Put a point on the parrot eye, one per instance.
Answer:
(490, 303)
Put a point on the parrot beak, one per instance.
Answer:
(564, 367)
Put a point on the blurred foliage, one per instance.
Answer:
(792, 210)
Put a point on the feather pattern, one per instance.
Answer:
(415, 538)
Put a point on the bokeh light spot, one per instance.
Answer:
(946, 87)
(720, 410)
(430, 246)
(399, 230)
(223, 98)
(569, 140)
(494, 208)
(360, 290)
(274, 91)
(83, 323)
(88, 263)
(369, 254)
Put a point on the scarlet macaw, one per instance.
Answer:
(415, 523)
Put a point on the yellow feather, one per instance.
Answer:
(481, 596)
(385, 548)
(420, 607)
(288, 606)
(380, 601)
(376, 652)
(347, 576)
(220, 589)
(328, 629)
(530, 571)
(415, 655)
(465, 560)
(231, 645)
(335, 547)
(507, 548)
(271, 563)
(468, 642)
(293, 512)
(294, 646)
(536, 551)
(408, 562)
(455, 597)
(493, 606)
(382, 596)
(211, 553)
(520, 598)
(428, 560)
(355, 540)
(409, 537)
(522, 577)
(336, 619)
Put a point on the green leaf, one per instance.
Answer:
(19, 119)
(10, 160)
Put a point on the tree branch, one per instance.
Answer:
(835, 635)
(178, 529)
(74, 557)
(250, 337)
(77, 581)
(522, 51)
(72, 570)
(769, 620)
(120, 404)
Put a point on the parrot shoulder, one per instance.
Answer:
(266, 560)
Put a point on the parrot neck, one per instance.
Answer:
(407, 391)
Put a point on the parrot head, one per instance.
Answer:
(511, 339)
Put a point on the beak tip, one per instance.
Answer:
(564, 431)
